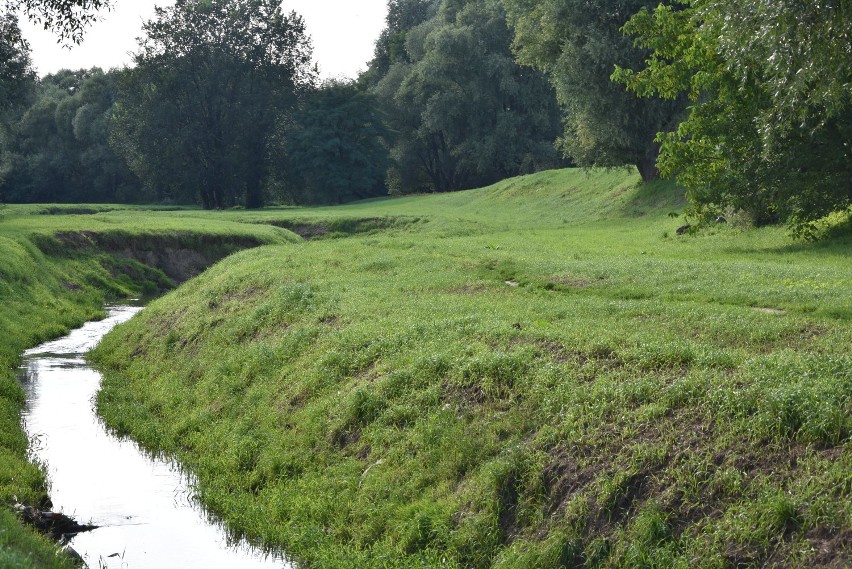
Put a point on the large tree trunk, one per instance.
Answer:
(647, 163)
(254, 194)
(648, 168)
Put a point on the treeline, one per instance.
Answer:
(223, 107)
(745, 102)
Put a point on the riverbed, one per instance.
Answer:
(144, 506)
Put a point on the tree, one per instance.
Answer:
(770, 127)
(211, 80)
(577, 43)
(336, 146)
(16, 73)
(464, 112)
(17, 83)
(58, 148)
(67, 18)
(403, 15)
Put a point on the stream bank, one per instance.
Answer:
(142, 508)
(47, 288)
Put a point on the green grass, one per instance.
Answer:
(24, 549)
(535, 374)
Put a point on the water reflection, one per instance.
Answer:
(144, 506)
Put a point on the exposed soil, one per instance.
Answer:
(319, 229)
(508, 513)
(305, 230)
(833, 547)
(179, 256)
(767, 310)
(563, 477)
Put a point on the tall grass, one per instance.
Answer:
(535, 374)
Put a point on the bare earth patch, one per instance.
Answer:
(767, 310)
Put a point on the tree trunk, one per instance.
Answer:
(254, 194)
(648, 168)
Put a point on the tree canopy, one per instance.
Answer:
(770, 126)
(16, 72)
(67, 18)
(464, 112)
(334, 148)
(211, 80)
(58, 150)
(577, 43)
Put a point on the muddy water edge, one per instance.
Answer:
(143, 506)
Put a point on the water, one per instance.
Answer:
(144, 506)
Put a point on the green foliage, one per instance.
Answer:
(464, 113)
(59, 151)
(577, 43)
(198, 111)
(16, 74)
(769, 130)
(68, 19)
(403, 15)
(335, 147)
(17, 81)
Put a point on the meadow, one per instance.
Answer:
(536, 374)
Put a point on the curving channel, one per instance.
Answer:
(143, 506)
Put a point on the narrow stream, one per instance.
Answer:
(144, 508)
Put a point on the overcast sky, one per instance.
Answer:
(343, 34)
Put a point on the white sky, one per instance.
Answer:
(343, 34)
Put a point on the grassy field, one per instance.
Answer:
(536, 374)
(59, 265)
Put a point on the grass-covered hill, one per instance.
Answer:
(535, 374)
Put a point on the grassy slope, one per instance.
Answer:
(389, 400)
(42, 296)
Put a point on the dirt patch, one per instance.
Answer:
(811, 331)
(329, 320)
(768, 310)
(310, 230)
(73, 239)
(179, 264)
(633, 492)
(603, 358)
(180, 256)
(467, 395)
(242, 294)
(742, 555)
(344, 438)
(364, 452)
(832, 548)
(306, 230)
(563, 478)
(508, 496)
